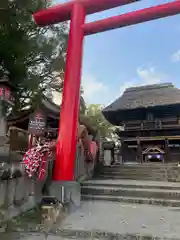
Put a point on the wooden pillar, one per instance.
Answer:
(178, 120)
(139, 151)
(166, 148)
(122, 150)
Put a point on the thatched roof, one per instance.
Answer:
(144, 97)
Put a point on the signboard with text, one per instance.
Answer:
(37, 123)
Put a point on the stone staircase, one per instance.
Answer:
(148, 172)
(126, 202)
(132, 191)
(152, 184)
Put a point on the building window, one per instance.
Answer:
(150, 117)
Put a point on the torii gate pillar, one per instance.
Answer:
(66, 143)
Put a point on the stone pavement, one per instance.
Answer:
(141, 220)
(108, 220)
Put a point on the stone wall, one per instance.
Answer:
(18, 193)
(15, 197)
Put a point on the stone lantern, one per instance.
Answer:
(6, 92)
(6, 100)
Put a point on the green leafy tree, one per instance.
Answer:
(97, 120)
(32, 57)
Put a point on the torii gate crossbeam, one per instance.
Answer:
(135, 17)
(62, 12)
(76, 11)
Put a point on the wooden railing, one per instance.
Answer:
(157, 124)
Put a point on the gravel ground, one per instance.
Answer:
(124, 219)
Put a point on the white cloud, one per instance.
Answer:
(124, 86)
(150, 76)
(97, 92)
(176, 56)
(145, 76)
(93, 89)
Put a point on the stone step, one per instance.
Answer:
(135, 168)
(148, 171)
(69, 234)
(156, 172)
(143, 165)
(133, 184)
(131, 192)
(132, 200)
(136, 177)
(139, 170)
(134, 174)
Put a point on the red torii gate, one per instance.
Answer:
(76, 11)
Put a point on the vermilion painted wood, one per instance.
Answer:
(140, 16)
(66, 143)
(62, 12)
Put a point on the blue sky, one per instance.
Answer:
(136, 55)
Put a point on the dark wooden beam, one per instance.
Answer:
(122, 150)
(139, 151)
(167, 153)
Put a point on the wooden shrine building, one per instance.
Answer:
(43, 120)
(150, 116)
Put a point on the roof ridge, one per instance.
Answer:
(150, 86)
(148, 96)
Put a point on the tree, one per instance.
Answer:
(82, 102)
(97, 120)
(32, 57)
